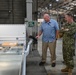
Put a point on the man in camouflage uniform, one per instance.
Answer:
(68, 31)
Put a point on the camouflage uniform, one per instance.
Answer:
(69, 44)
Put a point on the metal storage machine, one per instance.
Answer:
(13, 51)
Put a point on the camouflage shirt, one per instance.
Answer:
(69, 31)
(68, 35)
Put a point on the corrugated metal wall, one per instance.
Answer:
(12, 11)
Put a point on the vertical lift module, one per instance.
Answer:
(13, 51)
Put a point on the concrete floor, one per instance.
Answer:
(59, 58)
(33, 67)
(34, 58)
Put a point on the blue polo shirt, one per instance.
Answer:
(49, 30)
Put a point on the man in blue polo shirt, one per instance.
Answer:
(49, 28)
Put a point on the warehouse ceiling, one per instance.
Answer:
(57, 5)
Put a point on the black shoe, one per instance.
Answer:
(41, 63)
(74, 54)
(63, 62)
(53, 64)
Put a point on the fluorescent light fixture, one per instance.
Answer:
(46, 8)
(50, 5)
(75, 15)
(57, 0)
(74, 4)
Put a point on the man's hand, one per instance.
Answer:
(66, 29)
(37, 36)
(62, 28)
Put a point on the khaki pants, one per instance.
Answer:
(52, 47)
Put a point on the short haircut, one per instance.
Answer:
(69, 14)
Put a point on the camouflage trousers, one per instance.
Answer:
(68, 54)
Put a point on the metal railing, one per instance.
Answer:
(25, 53)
